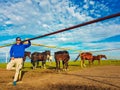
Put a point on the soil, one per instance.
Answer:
(93, 78)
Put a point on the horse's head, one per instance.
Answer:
(102, 56)
(27, 54)
(47, 52)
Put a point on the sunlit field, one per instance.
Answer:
(72, 65)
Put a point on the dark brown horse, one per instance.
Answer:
(61, 56)
(99, 57)
(26, 54)
(39, 56)
(85, 56)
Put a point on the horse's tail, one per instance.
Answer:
(77, 58)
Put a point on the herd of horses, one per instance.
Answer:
(63, 56)
(90, 57)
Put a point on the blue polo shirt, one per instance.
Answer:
(17, 51)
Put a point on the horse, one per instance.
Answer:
(26, 54)
(98, 57)
(49, 56)
(64, 56)
(39, 56)
(85, 56)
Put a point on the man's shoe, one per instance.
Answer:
(14, 83)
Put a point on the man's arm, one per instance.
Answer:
(27, 45)
(11, 53)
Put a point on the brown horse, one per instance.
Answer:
(64, 56)
(26, 54)
(39, 56)
(99, 57)
(85, 56)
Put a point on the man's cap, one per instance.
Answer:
(18, 38)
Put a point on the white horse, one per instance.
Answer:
(49, 58)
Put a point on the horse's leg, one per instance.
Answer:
(63, 65)
(83, 63)
(50, 61)
(99, 62)
(33, 63)
(66, 65)
(90, 61)
(37, 63)
(57, 65)
(44, 64)
(23, 64)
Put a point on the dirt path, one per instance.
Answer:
(94, 78)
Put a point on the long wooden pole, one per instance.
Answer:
(76, 26)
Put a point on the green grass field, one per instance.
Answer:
(72, 65)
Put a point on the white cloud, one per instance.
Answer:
(5, 50)
(45, 26)
(38, 17)
(102, 45)
(85, 6)
(92, 2)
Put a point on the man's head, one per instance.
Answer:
(18, 40)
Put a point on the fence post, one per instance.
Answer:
(6, 57)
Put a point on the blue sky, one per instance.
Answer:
(31, 18)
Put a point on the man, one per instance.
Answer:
(16, 55)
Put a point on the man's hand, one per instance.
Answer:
(12, 58)
(26, 41)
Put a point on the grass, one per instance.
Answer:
(72, 65)
(2, 65)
